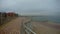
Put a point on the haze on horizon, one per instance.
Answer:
(31, 7)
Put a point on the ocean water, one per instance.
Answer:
(54, 19)
(39, 18)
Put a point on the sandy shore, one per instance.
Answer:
(13, 27)
(46, 28)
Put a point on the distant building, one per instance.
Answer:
(11, 14)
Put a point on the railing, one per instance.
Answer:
(27, 28)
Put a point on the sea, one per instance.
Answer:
(54, 19)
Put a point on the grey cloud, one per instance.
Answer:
(30, 6)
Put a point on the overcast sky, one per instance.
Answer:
(35, 7)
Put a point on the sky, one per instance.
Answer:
(30, 7)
